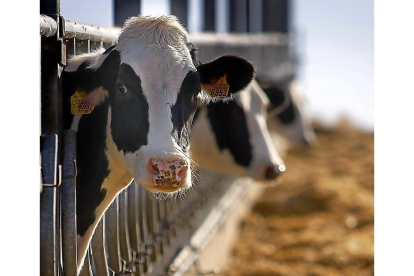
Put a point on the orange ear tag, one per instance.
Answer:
(77, 106)
(220, 89)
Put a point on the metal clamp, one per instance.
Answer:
(59, 177)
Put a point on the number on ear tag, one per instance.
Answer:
(220, 88)
(78, 106)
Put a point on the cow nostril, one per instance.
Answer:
(153, 167)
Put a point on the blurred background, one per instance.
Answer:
(333, 41)
(318, 219)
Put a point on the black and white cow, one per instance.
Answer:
(232, 138)
(287, 114)
(145, 90)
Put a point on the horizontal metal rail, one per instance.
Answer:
(48, 26)
(82, 31)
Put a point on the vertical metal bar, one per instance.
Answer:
(112, 236)
(124, 239)
(275, 16)
(153, 229)
(137, 245)
(68, 203)
(145, 235)
(255, 16)
(124, 9)
(74, 46)
(209, 16)
(48, 203)
(99, 255)
(89, 45)
(179, 8)
(238, 16)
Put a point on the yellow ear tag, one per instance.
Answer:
(220, 88)
(77, 106)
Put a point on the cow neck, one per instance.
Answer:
(100, 175)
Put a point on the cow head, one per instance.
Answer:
(152, 83)
(287, 114)
(232, 138)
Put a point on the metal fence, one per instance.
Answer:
(138, 235)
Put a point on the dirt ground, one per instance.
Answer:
(320, 219)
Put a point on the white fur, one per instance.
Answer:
(300, 129)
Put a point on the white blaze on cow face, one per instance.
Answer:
(241, 146)
(299, 129)
(264, 152)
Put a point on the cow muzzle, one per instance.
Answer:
(168, 175)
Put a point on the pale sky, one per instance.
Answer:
(336, 46)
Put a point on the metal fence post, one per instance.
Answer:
(68, 203)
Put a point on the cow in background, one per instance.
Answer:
(132, 107)
(287, 115)
(232, 137)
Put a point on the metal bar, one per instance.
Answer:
(68, 203)
(125, 245)
(112, 236)
(238, 16)
(92, 32)
(110, 36)
(137, 245)
(209, 16)
(180, 9)
(145, 235)
(124, 9)
(48, 26)
(255, 16)
(48, 206)
(99, 255)
(276, 16)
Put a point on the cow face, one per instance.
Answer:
(152, 83)
(287, 115)
(232, 138)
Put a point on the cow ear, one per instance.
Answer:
(226, 76)
(89, 83)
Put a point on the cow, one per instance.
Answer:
(132, 106)
(232, 137)
(287, 114)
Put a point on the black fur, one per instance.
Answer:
(92, 166)
(229, 125)
(240, 72)
(129, 120)
(183, 110)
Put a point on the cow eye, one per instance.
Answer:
(195, 95)
(122, 89)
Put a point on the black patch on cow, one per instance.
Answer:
(129, 119)
(240, 72)
(183, 110)
(92, 166)
(229, 125)
(276, 95)
(287, 116)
